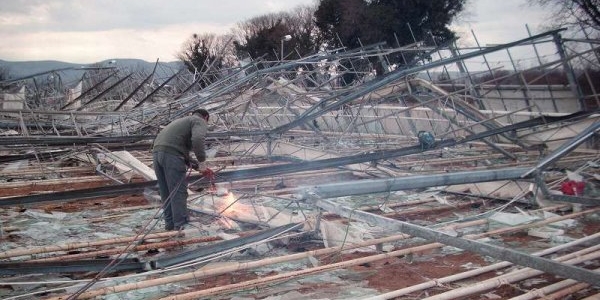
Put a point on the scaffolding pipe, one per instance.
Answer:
(562, 294)
(514, 276)
(565, 148)
(239, 266)
(137, 88)
(287, 276)
(494, 251)
(544, 291)
(97, 243)
(312, 114)
(568, 70)
(136, 248)
(89, 90)
(105, 91)
(369, 186)
(475, 272)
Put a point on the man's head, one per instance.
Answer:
(202, 113)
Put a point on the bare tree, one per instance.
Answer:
(303, 29)
(224, 46)
(207, 54)
(574, 12)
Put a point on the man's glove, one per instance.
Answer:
(208, 174)
(194, 164)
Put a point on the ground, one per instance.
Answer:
(383, 275)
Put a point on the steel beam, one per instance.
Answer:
(89, 90)
(369, 186)
(95, 98)
(71, 140)
(314, 111)
(571, 77)
(208, 250)
(227, 176)
(137, 88)
(95, 265)
(565, 148)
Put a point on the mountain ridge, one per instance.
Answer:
(72, 72)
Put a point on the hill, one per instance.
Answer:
(70, 73)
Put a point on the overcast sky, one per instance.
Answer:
(93, 30)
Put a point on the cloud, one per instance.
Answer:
(92, 30)
(497, 22)
(86, 31)
(95, 15)
(148, 44)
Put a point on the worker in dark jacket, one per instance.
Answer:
(171, 159)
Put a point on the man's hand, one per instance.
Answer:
(194, 164)
(208, 174)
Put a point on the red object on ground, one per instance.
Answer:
(209, 174)
(572, 187)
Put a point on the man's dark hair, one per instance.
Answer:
(202, 112)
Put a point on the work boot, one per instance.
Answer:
(180, 230)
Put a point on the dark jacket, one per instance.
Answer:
(181, 136)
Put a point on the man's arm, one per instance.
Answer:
(198, 134)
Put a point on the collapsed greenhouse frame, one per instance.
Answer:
(302, 148)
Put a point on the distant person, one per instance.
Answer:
(171, 159)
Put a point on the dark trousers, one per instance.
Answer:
(170, 172)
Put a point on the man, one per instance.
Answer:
(171, 158)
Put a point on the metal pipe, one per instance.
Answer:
(497, 252)
(522, 274)
(543, 291)
(236, 267)
(89, 90)
(206, 250)
(471, 273)
(569, 70)
(565, 148)
(312, 113)
(369, 186)
(105, 91)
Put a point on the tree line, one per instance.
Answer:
(338, 25)
(325, 25)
